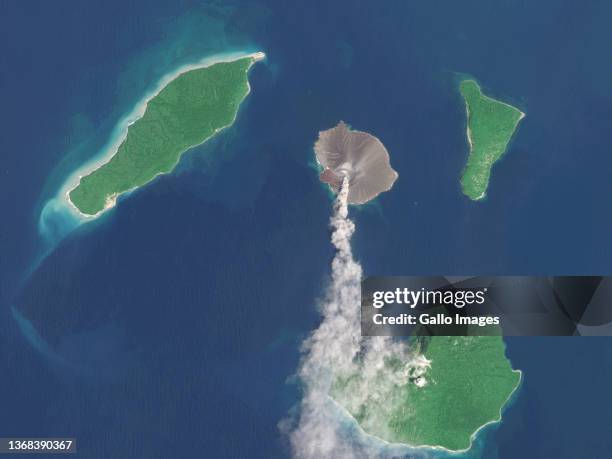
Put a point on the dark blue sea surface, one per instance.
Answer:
(169, 327)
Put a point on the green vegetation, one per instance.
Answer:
(186, 112)
(440, 404)
(490, 126)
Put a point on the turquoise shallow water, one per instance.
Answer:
(175, 320)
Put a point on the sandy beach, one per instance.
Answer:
(121, 130)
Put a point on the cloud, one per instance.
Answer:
(322, 428)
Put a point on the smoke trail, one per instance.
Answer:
(337, 349)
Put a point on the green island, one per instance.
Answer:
(186, 112)
(463, 386)
(490, 126)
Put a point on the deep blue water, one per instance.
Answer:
(174, 322)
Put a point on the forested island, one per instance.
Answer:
(189, 110)
(490, 126)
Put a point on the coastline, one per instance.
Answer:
(467, 112)
(321, 167)
(121, 130)
(468, 132)
(405, 446)
(495, 100)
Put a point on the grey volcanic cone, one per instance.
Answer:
(359, 156)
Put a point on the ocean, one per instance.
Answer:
(171, 326)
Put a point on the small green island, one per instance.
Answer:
(463, 386)
(187, 111)
(490, 126)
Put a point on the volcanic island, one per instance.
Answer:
(360, 157)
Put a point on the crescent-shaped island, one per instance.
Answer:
(190, 109)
